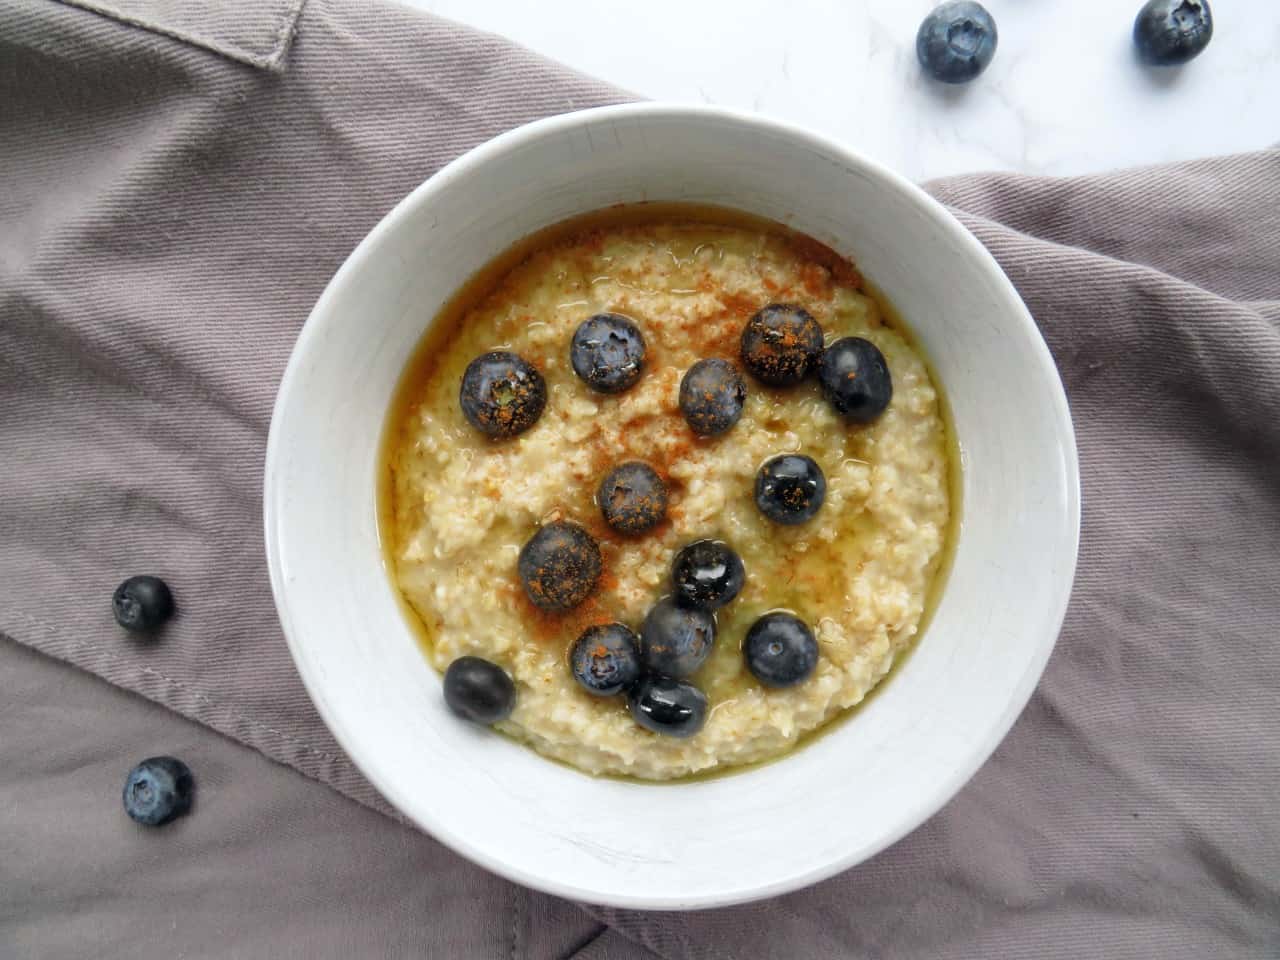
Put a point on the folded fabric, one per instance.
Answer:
(179, 186)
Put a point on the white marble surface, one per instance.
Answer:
(1064, 94)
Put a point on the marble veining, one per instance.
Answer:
(1064, 95)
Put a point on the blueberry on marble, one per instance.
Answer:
(676, 640)
(502, 394)
(559, 566)
(712, 395)
(607, 352)
(142, 603)
(780, 650)
(790, 488)
(1171, 32)
(956, 41)
(855, 379)
(706, 575)
(671, 707)
(158, 790)
(605, 659)
(478, 690)
(781, 344)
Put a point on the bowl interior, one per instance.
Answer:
(734, 838)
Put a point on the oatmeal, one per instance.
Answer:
(856, 567)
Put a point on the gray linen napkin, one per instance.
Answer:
(179, 184)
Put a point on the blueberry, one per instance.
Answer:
(1170, 32)
(478, 690)
(855, 379)
(711, 396)
(606, 659)
(706, 575)
(667, 706)
(781, 344)
(780, 650)
(676, 640)
(142, 603)
(632, 497)
(607, 352)
(559, 566)
(790, 488)
(157, 790)
(502, 394)
(956, 41)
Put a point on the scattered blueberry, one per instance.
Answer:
(790, 488)
(781, 344)
(632, 497)
(559, 566)
(711, 396)
(606, 659)
(502, 394)
(667, 706)
(855, 379)
(1170, 32)
(607, 352)
(956, 41)
(676, 640)
(706, 575)
(780, 650)
(157, 790)
(142, 603)
(478, 690)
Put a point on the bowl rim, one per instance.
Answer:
(966, 765)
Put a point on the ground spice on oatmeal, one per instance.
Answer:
(462, 504)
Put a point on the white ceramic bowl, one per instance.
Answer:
(768, 830)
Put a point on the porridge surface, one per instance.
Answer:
(463, 505)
